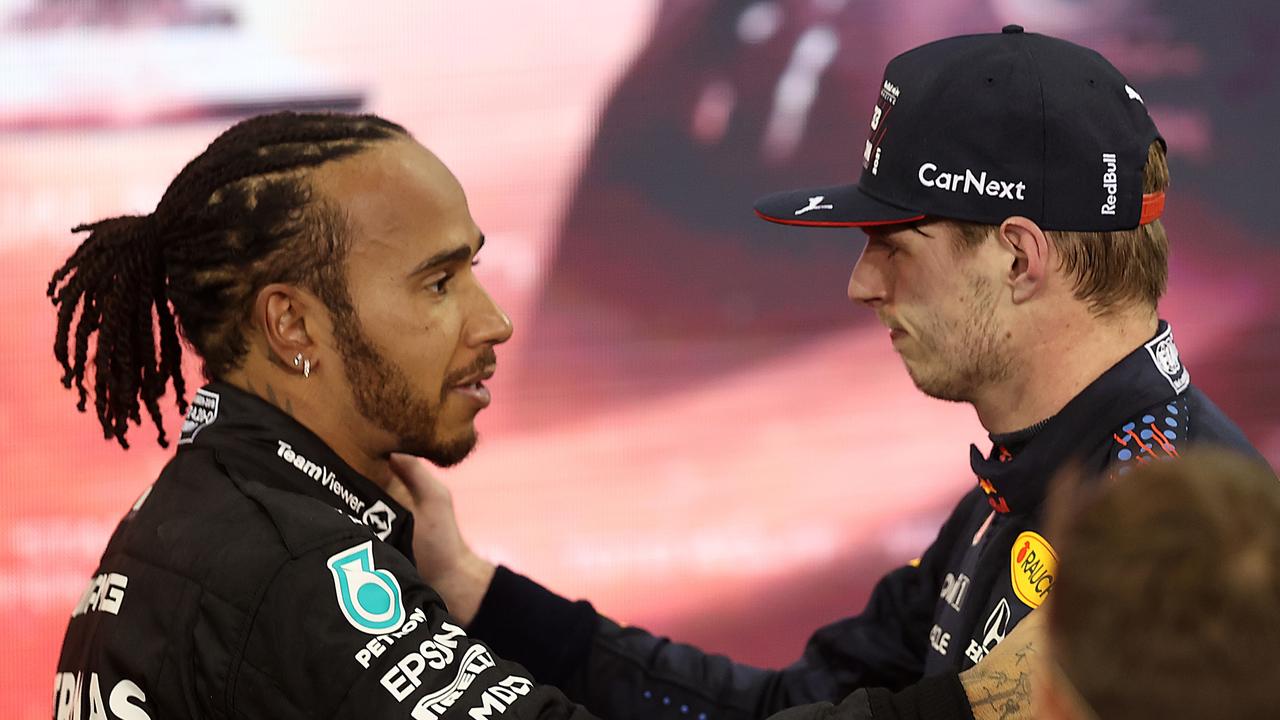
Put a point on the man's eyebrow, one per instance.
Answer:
(453, 256)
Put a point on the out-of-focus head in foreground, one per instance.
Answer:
(1167, 600)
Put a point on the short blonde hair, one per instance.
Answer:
(1109, 270)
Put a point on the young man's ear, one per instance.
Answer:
(1030, 250)
(286, 316)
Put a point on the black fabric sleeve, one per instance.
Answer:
(551, 634)
(625, 673)
(941, 697)
(350, 630)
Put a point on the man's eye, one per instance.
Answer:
(441, 286)
(889, 249)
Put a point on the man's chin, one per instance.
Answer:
(441, 452)
(931, 385)
(940, 389)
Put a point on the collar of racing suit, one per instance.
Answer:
(1015, 479)
(257, 442)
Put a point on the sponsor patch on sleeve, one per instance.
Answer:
(369, 598)
(1033, 565)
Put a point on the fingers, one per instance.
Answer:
(404, 465)
(422, 485)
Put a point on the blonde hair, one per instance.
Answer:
(1109, 270)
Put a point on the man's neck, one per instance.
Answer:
(1057, 362)
(313, 407)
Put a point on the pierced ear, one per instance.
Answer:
(1030, 250)
(281, 313)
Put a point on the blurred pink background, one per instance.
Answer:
(692, 427)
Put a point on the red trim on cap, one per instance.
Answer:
(829, 223)
(1152, 207)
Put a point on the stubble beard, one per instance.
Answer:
(385, 397)
(967, 356)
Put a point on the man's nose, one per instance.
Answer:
(867, 282)
(489, 325)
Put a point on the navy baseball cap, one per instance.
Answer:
(983, 127)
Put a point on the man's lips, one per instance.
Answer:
(477, 377)
(895, 331)
(473, 387)
(888, 320)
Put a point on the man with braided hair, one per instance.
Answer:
(320, 265)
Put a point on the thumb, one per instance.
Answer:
(418, 480)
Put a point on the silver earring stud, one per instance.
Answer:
(306, 368)
(297, 360)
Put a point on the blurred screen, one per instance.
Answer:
(692, 427)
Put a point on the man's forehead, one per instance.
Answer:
(386, 172)
(394, 192)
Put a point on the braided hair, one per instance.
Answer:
(239, 216)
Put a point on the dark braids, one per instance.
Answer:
(239, 216)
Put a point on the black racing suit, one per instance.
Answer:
(261, 577)
(924, 623)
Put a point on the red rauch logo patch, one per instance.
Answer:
(1033, 565)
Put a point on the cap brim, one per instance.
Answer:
(834, 206)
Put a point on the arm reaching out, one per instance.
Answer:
(999, 687)
(443, 558)
(623, 672)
